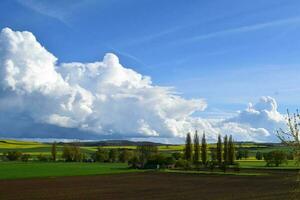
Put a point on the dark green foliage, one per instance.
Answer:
(53, 152)
(213, 154)
(134, 162)
(196, 156)
(143, 154)
(160, 161)
(113, 155)
(43, 158)
(219, 150)
(225, 150)
(101, 155)
(258, 155)
(71, 153)
(13, 155)
(236, 167)
(25, 157)
(125, 155)
(212, 165)
(242, 154)
(275, 158)
(290, 156)
(231, 151)
(188, 150)
(177, 155)
(204, 150)
(184, 164)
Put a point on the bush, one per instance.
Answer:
(25, 157)
(13, 155)
(212, 165)
(275, 158)
(183, 164)
(177, 155)
(160, 160)
(259, 155)
(43, 158)
(236, 167)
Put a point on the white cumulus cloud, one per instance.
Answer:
(102, 98)
(40, 97)
(258, 122)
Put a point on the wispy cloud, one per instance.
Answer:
(59, 10)
(241, 29)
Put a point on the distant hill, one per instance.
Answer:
(118, 143)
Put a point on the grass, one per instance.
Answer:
(261, 164)
(18, 170)
(216, 173)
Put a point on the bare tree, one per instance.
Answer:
(291, 136)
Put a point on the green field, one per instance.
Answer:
(16, 170)
(260, 164)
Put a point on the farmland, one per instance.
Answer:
(153, 185)
(112, 180)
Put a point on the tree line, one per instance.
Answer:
(196, 154)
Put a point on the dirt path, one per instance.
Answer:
(150, 186)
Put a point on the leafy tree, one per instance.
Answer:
(246, 154)
(231, 151)
(213, 155)
(125, 155)
(53, 151)
(204, 150)
(144, 153)
(226, 154)
(196, 149)
(183, 164)
(25, 157)
(177, 155)
(71, 153)
(101, 155)
(43, 158)
(219, 150)
(13, 155)
(188, 150)
(239, 155)
(113, 155)
(258, 155)
(275, 158)
(159, 160)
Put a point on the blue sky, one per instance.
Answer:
(227, 52)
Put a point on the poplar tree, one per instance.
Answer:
(219, 150)
(231, 151)
(53, 151)
(196, 156)
(188, 150)
(204, 150)
(226, 154)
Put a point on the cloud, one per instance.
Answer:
(242, 29)
(100, 98)
(42, 98)
(258, 122)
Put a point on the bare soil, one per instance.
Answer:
(153, 185)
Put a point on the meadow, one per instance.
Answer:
(17, 170)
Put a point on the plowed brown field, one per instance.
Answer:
(152, 186)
